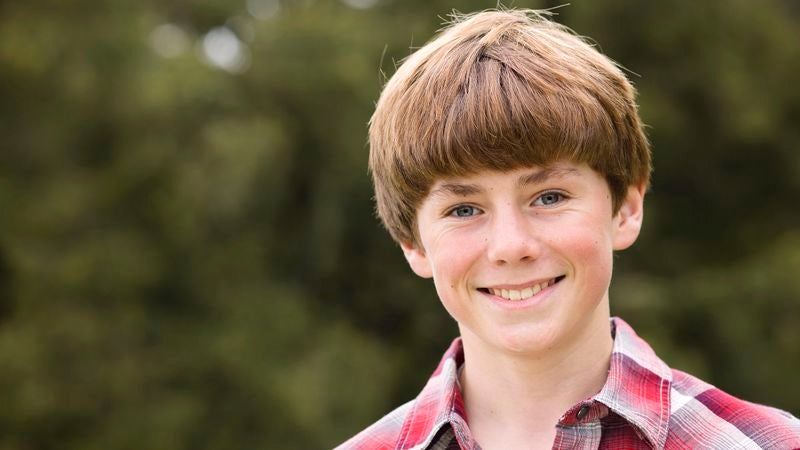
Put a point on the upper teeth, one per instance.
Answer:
(530, 291)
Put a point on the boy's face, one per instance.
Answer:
(522, 259)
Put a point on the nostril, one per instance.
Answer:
(508, 249)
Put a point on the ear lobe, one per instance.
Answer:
(417, 259)
(628, 221)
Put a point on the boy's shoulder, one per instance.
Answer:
(382, 434)
(705, 416)
(427, 421)
(674, 409)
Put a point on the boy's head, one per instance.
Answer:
(501, 90)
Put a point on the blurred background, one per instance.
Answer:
(188, 252)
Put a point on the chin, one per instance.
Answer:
(527, 339)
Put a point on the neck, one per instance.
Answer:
(521, 396)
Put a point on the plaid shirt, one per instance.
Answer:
(644, 404)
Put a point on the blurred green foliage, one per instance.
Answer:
(188, 252)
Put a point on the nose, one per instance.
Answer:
(512, 239)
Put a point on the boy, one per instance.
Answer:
(509, 163)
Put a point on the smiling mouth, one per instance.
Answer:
(521, 294)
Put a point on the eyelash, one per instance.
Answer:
(561, 197)
(452, 212)
(476, 211)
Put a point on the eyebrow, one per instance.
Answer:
(461, 190)
(536, 177)
(540, 176)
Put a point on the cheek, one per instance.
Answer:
(450, 273)
(590, 253)
(453, 255)
(453, 265)
(452, 297)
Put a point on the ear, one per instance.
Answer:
(417, 259)
(628, 221)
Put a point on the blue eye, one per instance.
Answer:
(549, 198)
(464, 211)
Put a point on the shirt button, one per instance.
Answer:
(583, 412)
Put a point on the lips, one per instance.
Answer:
(523, 293)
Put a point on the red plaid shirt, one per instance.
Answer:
(644, 404)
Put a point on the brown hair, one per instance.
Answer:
(499, 90)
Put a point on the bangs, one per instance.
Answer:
(505, 113)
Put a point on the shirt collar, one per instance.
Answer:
(439, 403)
(637, 389)
(638, 385)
